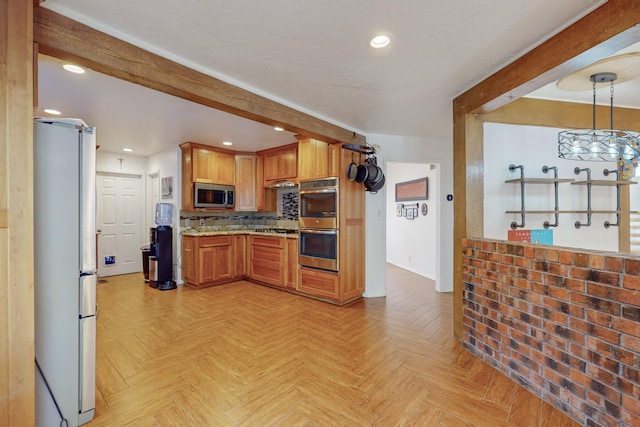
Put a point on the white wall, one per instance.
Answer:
(534, 147)
(120, 163)
(167, 164)
(411, 243)
(409, 150)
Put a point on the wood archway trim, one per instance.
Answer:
(608, 29)
(69, 40)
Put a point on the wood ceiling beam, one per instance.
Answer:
(606, 30)
(565, 115)
(70, 40)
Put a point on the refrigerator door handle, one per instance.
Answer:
(87, 364)
(88, 200)
(88, 295)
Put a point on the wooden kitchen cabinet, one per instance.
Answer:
(266, 259)
(203, 163)
(280, 164)
(313, 159)
(323, 284)
(291, 265)
(214, 167)
(189, 259)
(246, 186)
(206, 260)
(239, 255)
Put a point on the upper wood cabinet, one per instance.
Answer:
(280, 164)
(246, 186)
(313, 159)
(213, 166)
(202, 163)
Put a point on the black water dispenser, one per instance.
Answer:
(161, 249)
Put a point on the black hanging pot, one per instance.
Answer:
(352, 170)
(372, 169)
(377, 186)
(375, 180)
(362, 173)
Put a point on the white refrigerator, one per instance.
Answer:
(65, 271)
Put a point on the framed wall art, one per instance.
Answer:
(167, 187)
(417, 189)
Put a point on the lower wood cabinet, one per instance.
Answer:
(266, 259)
(291, 265)
(319, 283)
(239, 255)
(207, 260)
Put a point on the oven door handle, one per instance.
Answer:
(310, 231)
(325, 190)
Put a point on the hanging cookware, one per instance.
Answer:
(372, 168)
(377, 186)
(361, 174)
(352, 169)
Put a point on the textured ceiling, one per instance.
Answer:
(312, 55)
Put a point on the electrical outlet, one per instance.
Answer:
(201, 222)
(187, 222)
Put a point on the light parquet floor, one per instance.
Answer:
(247, 355)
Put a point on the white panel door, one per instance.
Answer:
(119, 219)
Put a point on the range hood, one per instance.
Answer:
(282, 184)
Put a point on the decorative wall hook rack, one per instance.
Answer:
(588, 182)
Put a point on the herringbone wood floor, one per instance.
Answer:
(247, 355)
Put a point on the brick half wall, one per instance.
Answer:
(563, 323)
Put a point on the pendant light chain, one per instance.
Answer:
(611, 107)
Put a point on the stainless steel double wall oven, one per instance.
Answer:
(319, 223)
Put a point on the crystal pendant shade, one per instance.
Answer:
(599, 144)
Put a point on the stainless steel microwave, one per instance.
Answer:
(213, 195)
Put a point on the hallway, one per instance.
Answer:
(247, 355)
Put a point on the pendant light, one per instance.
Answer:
(599, 144)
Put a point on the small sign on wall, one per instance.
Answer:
(543, 237)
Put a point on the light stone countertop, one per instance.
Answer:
(211, 231)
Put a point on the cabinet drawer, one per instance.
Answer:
(319, 283)
(206, 241)
(274, 241)
(266, 253)
(267, 271)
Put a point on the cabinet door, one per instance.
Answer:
(271, 166)
(207, 264)
(281, 164)
(223, 263)
(189, 259)
(292, 264)
(224, 166)
(313, 159)
(245, 196)
(202, 164)
(239, 255)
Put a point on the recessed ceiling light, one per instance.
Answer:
(73, 68)
(52, 111)
(378, 41)
(128, 150)
(278, 129)
(227, 143)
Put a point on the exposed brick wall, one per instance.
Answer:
(564, 323)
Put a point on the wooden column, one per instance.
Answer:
(16, 214)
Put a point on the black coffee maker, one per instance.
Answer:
(161, 249)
